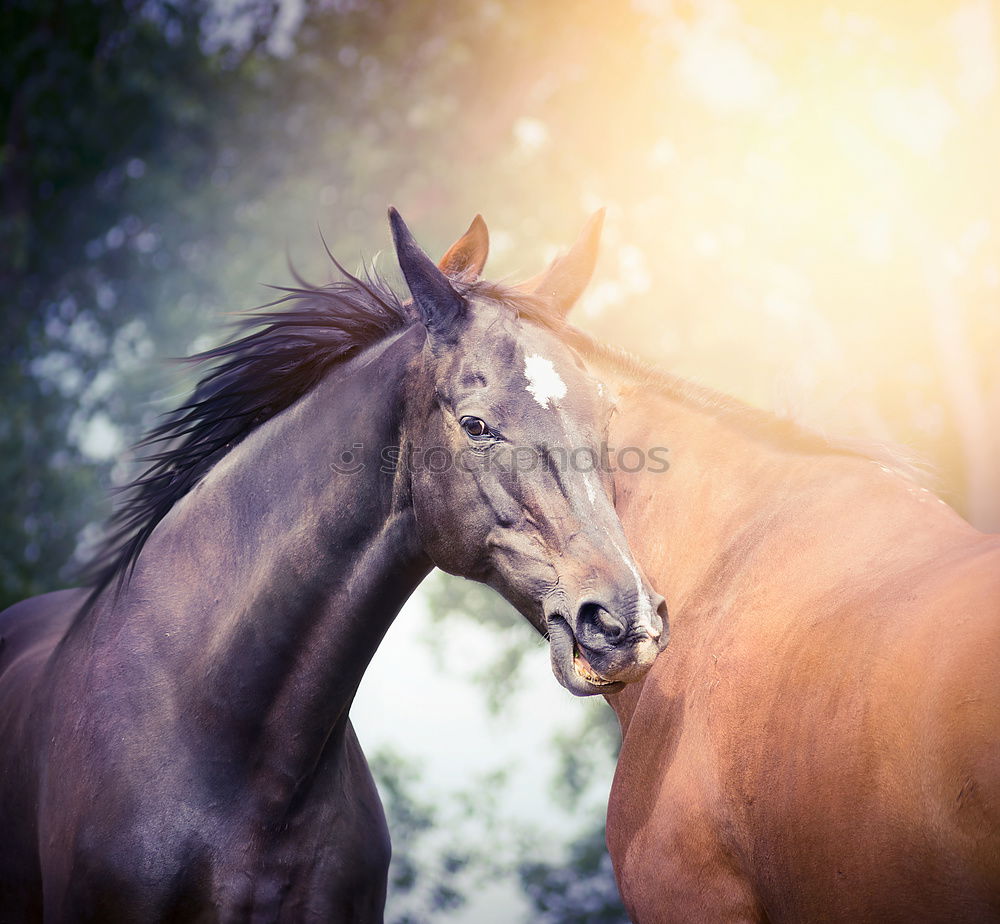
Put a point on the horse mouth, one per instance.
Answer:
(570, 665)
(583, 669)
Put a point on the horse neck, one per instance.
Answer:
(741, 521)
(264, 594)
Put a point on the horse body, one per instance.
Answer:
(179, 786)
(821, 739)
(176, 743)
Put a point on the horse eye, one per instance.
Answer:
(475, 427)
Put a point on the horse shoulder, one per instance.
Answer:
(29, 632)
(667, 820)
(325, 857)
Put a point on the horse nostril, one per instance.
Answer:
(597, 617)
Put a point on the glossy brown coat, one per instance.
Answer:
(821, 739)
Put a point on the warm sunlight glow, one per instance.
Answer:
(800, 198)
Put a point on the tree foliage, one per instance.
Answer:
(114, 119)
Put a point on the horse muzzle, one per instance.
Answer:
(597, 651)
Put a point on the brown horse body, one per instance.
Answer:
(821, 739)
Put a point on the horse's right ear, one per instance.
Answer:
(467, 256)
(440, 305)
(566, 278)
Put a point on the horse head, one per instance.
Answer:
(507, 476)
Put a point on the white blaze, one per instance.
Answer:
(645, 614)
(544, 383)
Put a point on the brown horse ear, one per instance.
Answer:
(439, 304)
(467, 256)
(564, 281)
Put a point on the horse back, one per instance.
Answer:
(29, 632)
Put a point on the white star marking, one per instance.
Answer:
(544, 383)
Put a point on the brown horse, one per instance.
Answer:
(821, 739)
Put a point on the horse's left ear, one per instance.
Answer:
(467, 256)
(439, 304)
(564, 281)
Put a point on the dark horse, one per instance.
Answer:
(821, 739)
(176, 742)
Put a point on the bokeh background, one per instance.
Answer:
(802, 211)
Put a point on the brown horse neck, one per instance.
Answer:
(742, 515)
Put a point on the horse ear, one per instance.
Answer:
(467, 256)
(564, 281)
(439, 304)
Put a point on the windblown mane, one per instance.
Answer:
(278, 353)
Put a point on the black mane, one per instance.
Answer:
(278, 353)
